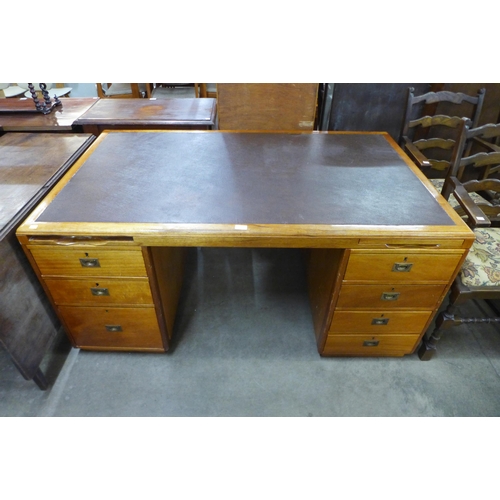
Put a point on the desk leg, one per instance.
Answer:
(40, 380)
(91, 129)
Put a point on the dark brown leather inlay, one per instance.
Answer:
(237, 178)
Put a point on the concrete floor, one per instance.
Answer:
(245, 347)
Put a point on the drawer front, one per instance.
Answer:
(56, 261)
(114, 327)
(401, 267)
(375, 322)
(100, 293)
(370, 345)
(390, 297)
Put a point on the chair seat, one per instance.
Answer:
(482, 265)
(123, 88)
(438, 184)
(173, 92)
(8, 90)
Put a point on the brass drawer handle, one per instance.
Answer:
(370, 343)
(114, 328)
(401, 267)
(99, 292)
(380, 321)
(390, 296)
(90, 263)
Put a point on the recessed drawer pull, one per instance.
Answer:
(98, 292)
(390, 296)
(114, 328)
(401, 267)
(370, 343)
(380, 321)
(90, 263)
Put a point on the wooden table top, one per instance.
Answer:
(30, 164)
(150, 112)
(212, 188)
(20, 115)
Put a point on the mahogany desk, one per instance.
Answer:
(140, 114)
(382, 245)
(20, 115)
(30, 164)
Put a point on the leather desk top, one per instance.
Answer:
(29, 165)
(150, 112)
(245, 178)
(61, 118)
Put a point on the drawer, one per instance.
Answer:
(390, 297)
(100, 293)
(113, 327)
(57, 261)
(401, 267)
(377, 322)
(370, 345)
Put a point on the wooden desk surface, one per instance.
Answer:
(62, 118)
(231, 186)
(30, 164)
(150, 112)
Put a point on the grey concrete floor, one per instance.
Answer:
(244, 346)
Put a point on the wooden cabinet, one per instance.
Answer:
(383, 300)
(105, 297)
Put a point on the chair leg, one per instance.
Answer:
(446, 319)
(40, 380)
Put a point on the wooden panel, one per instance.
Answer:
(58, 261)
(88, 327)
(362, 322)
(353, 345)
(426, 267)
(324, 266)
(168, 266)
(79, 292)
(28, 324)
(267, 106)
(371, 106)
(407, 296)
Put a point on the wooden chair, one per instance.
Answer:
(479, 277)
(434, 155)
(422, 151)
(122, 90)
(481, 165)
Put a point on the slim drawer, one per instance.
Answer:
(401, 267)
(56, 261)
(377, 322)
(389, 297)
(370, 345)
(100, 293)
(113, 327)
